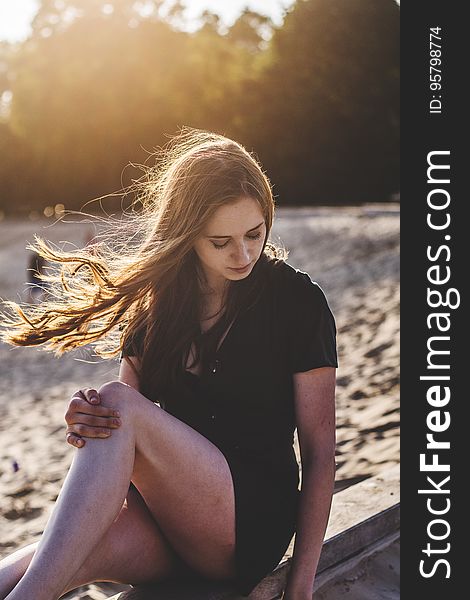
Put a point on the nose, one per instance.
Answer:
(241, 256)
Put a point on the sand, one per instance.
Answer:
(353, 253)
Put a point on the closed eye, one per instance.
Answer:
(256, 236)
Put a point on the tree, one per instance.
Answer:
(95, 88)
(330, 102)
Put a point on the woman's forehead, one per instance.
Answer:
(235, 218)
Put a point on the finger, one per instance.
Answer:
(91, 395)
(94, 421)
(79, 404)
(85, 431)
(74, 440)
(79, 396)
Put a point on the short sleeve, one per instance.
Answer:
(310, 325)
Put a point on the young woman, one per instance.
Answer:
(185, 466)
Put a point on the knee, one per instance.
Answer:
(118, 395)
(135, 409)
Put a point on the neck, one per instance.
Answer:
(212, 287)
(214, 294)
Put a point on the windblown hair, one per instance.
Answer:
(140, 290)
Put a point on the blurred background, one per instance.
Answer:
(88, 86)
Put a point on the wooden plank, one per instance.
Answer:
(364, 517)
(342, 569)
(363, 539)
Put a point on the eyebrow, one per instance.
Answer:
(228, 236)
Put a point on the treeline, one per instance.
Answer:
(100, 84)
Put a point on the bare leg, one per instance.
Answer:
(90, 500)
(13, 567)
(132, 550)
(185, 482)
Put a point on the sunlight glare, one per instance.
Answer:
(16, 16)
(15, 19)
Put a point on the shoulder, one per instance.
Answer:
(304, 318)
(293, 285)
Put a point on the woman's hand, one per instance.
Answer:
(87, 418)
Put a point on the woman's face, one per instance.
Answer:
(231, 242)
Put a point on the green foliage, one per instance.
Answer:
(94, 90)
(330, 94)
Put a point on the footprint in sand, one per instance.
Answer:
(22, 511)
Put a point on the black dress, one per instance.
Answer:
(245, 406)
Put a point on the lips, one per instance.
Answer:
(240, 268)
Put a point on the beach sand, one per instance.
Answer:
(352, 252)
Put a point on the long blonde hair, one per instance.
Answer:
(143, 284)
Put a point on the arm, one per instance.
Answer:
(314, 393)
(87, 417)
(128, 372)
